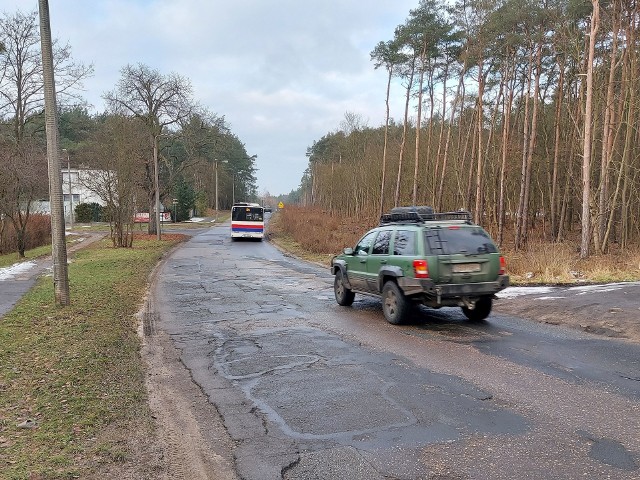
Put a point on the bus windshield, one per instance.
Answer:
(246, 213)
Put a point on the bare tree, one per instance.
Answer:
(519, 165)
(21, 72)
(21, 184)
(29, 58)
(116, 157)
(408, 75)
(386, 54)
(160, 102)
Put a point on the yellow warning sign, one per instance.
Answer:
(281, 205)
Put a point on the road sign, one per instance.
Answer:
(281, 205)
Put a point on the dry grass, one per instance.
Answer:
(314, 235)
(549, 263)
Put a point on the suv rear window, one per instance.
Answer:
(454, 240)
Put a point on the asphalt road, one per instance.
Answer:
(310, 390)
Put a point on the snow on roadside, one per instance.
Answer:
(512, 292)
(7, 273)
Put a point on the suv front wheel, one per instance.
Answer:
(481, 310)
(395, 305)
(344, 296)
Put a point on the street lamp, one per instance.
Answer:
(216, 170)
(156, 182)
(70, 192)
(175, 210)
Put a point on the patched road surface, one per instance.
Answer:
(307, 389)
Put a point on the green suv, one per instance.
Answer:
(416, 256)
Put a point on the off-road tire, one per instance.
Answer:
(481, 310)
(395, 305)
(344, 296)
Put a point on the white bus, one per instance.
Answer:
(247, 221)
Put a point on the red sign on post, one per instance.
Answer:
(143, 217)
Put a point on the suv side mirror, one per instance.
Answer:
(348, 251)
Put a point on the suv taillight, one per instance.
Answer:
(420, 269)
(503, 266)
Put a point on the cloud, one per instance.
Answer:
(282, 73)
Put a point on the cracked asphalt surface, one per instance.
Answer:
(300, 388)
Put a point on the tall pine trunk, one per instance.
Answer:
(588, 118)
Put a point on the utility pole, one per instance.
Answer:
(156, 185)
(216, 167)
(58, 244)
(70, 192)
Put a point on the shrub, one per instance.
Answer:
(319, 232)
(89, 212)
(38, 233)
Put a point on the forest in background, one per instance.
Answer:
(524, 112)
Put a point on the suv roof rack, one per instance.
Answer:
(422, 214)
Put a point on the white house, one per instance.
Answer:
(74, 192)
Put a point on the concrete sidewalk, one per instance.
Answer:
(17, 279)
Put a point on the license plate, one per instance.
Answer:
(465, 267)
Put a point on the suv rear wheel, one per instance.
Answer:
(481, 310)
(344, 296)
(395, 305)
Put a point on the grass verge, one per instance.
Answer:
(11, 258)
(38, 252)
(75, 372)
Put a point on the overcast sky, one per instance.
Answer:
(283, 73)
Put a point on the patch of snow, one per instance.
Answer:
(8, 273)
(512, 292)
(610, 287)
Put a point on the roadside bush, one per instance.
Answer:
(317, 231)
(38, 233)
(89, 212)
